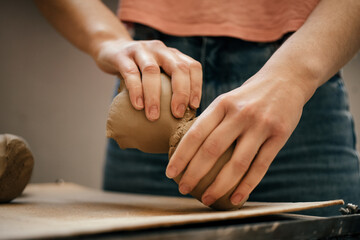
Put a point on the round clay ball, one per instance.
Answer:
(16, 165)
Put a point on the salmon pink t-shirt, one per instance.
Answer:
(252, 20)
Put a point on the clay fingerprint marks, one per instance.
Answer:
(16, 165)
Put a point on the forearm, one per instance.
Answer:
(86, 24)
(93, 28)
(325, 43)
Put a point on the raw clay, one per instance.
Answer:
(131, 129)
(16, 165)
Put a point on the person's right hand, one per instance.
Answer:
(139, 62)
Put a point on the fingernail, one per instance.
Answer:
(140, 102)
(184, 189)
(195, 102)
(171, 172)
(236, 199)
(208, 200)
(181, 110)
(153, 113)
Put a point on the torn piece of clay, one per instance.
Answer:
(222, 203)
(131, 129)
(16, 165)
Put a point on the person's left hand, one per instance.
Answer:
(260, 116)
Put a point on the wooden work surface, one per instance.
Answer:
(66, 209)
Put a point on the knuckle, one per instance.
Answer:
(196, 84)
(134, 88)
(141, 43)
(280, 129)
(151, 100)
(195, 91)
(227, 102)
(191, 177)
(238, 116)
(178, 159)
(156, 43)
(181, 94)
(240, 166)
(195, 135)
(273, 123)
(211, 148)
(261, 168)
(182, 66)
(174, 50)
(130, 70)
(167, 65)
(151, 68)
(133, 46)
(221, 100)
(249, 111)
(195, 65)
(216, 194)
(268, 121)
(247, 186)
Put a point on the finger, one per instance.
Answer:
(195, 78)
(209, 153)
(257, 170)
(179, 70)
(151, 83)
(245, 150)
(180, 82)
(192, 140)
(131, 75)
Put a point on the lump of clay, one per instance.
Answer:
(131, 129)
(222, 203)
(16, 165)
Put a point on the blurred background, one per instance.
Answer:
(55, 97)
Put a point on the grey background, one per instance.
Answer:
(57, 99)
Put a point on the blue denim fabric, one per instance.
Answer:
(319, 161)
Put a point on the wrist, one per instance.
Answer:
(103, 39)
(298, 86)
(301, 76)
